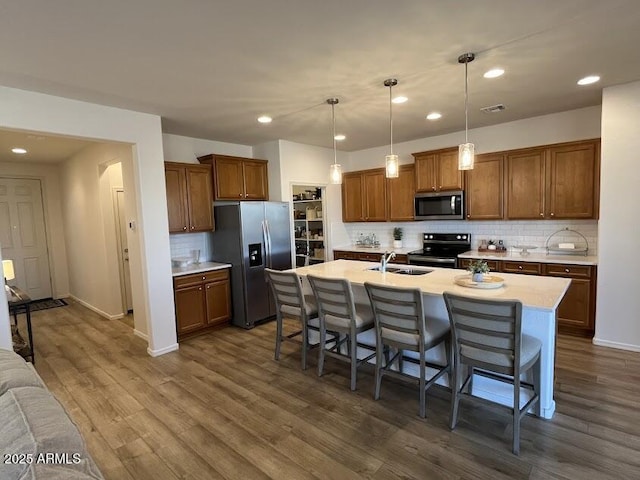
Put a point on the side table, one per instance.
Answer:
(20, 302)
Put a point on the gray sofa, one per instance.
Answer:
(37, 438)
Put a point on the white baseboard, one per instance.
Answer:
(140, 334)
(96, 310)
(618, 345)
(162, 351)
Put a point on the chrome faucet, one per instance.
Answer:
(386, 256)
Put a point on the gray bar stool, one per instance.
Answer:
(401, 324)
(487, 335)
(338, 312)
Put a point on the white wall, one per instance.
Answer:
(618, 307)
(187, 149)
(271, 151)
(50, 181)
(5, 330)
(36, 112)
(89, 224)
(578, 124)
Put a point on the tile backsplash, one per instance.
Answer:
(512, 232)
(181, 245)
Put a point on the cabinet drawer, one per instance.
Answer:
(529, 268)
(567, 270)
(401, 259)
(494, 265)
(196, 278)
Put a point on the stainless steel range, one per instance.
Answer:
(440, 249)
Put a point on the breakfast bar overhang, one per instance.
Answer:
(540, 297)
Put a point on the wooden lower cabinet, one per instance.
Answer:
(577, 311)
(203, 300)
(366, 256)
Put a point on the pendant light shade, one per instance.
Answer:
(466, 150)
(335, 171)
(391, 160)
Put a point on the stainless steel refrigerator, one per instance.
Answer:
(252, 236)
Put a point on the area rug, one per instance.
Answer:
(47, 303)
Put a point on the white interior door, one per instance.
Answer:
(125, 274)
(23, 235)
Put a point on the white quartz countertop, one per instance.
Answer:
(379, 249)
(535, 256)
(543, 293)
(199, 268)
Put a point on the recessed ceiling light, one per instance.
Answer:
(340, 137)
(494, 73)
(434, 116)
(400, 99)
(19, 151)
(588, 80)
(264, 119)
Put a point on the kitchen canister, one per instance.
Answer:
(311, 213)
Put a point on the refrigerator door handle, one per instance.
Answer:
(268, 244)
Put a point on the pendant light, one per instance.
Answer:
(391, 160)
(335, 171)
(466, 150)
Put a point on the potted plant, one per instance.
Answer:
(397, 237)
(478, 268)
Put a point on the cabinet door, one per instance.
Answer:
(573, 181)
(344, 255)
(200, 198)
(375, 196)
(529, 268)
(255, 180)
(525, 184)
(190, 309)
(484, 187)
(448, 175)
(400, 194)
(352, 197)
(176, 198)
(494, 265)
(218, 301)
(574, 309)
(229, 184)
(425, 172)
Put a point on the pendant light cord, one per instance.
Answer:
(466, 102)
(391, 119)
(333, 121)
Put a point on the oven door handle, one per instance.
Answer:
(432, 259)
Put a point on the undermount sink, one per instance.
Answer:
(403, 270)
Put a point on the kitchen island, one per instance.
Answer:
(540, 297)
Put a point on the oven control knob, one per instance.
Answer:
(458, 237)
(431, 237)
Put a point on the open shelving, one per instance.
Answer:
(308, 224)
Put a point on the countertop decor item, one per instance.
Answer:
(524, 249)
(488, 282)
(478, 268)
(397, 237)
(567, 242)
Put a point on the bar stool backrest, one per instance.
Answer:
(334, 298)
(287, 292)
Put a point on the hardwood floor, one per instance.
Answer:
(221, 407)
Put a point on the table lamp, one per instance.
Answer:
(9, 274)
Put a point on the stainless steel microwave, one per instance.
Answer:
(439, 206)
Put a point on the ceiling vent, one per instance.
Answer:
(493, 108)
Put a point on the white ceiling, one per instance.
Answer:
(40, 148)
(210, 68)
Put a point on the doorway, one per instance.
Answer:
(23, 235)
(123, 250)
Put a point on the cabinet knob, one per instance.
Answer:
(208, 287)
(240, 195)
(204, 278)
(541, 214)
(468, 216)
(567, 270)
(246, 195)
(200, 288)
(192, 227)
(552, 214)
(184, 228)
(440, 187)
(433, 188)
(520, 267)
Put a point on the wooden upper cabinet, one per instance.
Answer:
(375, 196)
(437, 171)
(525, 184)
(352, 198)
(400, 195)
(189, 197)
(484, 188)
(238, 178)
(364, 196)
(573, 184)
(557, 181)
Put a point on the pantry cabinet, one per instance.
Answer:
(437, 171)
(189, 197)
(238, 178)
(202, 301)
